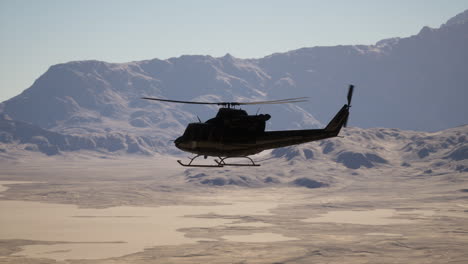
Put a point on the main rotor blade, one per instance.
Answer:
(281, 101)
(176, 101)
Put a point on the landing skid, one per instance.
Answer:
(222, 163)
(219, 163)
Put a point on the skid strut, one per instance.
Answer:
(200, 165)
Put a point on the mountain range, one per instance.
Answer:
(416, 83)
(359, 152)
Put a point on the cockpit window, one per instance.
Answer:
(197, 131)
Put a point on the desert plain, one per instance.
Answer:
(91, 209)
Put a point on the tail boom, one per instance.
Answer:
(279, 139)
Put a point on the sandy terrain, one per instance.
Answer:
(140, 210)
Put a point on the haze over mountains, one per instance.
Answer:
(417, 83)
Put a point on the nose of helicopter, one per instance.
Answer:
(177, 142)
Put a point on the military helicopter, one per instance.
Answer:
(235, 134)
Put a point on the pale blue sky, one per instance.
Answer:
(38, 34)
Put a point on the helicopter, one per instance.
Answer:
(232, 133)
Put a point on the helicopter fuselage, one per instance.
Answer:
(233, 133)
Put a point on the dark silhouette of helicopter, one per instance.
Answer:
(235, 134)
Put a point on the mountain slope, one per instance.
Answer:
(377, 147)
(414, 83)
(417, 83)
(24, 136)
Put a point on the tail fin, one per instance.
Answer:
(339, 120)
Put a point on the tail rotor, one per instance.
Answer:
(350, 96)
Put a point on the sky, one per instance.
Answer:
(38, 34)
